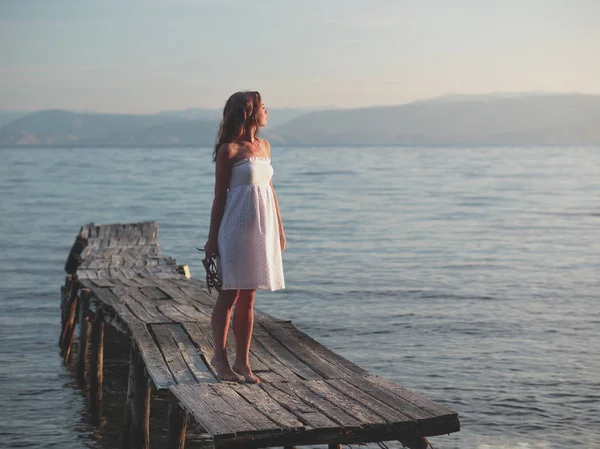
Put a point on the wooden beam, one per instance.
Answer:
(66, 292)
(69, 329)
(84, 334)
(96, 366)
(137, 412)
(178, 421)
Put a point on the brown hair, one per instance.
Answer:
(239, 117)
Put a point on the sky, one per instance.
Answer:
(145, 56)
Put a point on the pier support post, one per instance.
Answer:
(69, 327)
(137, 412)
(66, 294)
(84, 334)
(97, 366)
(178, 421)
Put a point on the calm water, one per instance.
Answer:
(469, 275)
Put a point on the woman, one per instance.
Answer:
(246, 234)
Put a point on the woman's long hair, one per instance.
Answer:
(239, 117)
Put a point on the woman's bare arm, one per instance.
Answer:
(281, 232)
(222, 175)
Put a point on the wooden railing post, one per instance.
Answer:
(84, 332)
(96, 366)
(178, 421)
(137, 413)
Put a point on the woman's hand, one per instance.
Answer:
(282, 241)
(211, 248)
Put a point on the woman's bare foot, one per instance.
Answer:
(245, 372)
(224, 371)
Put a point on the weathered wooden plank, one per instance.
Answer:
(172, 355)
(250, 413)
(128, 272)
(201, 341)
(86, 274)
(192, 313)
(148, 305)
(153, 359)
(215, 415)
(172, 313)
(268, 375)
(390, 414)
(144, 280)
(293, 404)
(318, 364)
(236, 421)
(153, 293)
(139, 311)
(191, 354)
(115, 273)
(105, 296)
(389, 398)
(199, 411)
(312, 345)
(147, 229)
(103, 282)
(197, 295)
(273, 364)
(284, 355)
(328, 409)
(172, 291)
(202, 306)
(346, 402)
(422, 402)
(268, 406)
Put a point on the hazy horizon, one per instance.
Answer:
(164, 55)
(308, 108)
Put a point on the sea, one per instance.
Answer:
(470, 275)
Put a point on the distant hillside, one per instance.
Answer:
(10, 116)
(534, 119)
(188, 132)
(277, 116)
(505, 119)
(57, 127)
(66, 128)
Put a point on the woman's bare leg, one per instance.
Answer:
(243, 323)
(220, 325)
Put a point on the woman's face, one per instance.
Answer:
(262, 115)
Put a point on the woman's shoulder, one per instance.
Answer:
(267, 146)
(228, 150)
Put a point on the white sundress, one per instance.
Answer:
(249, 246)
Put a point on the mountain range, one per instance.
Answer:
(493, 119)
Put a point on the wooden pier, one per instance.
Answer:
(117, 276)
